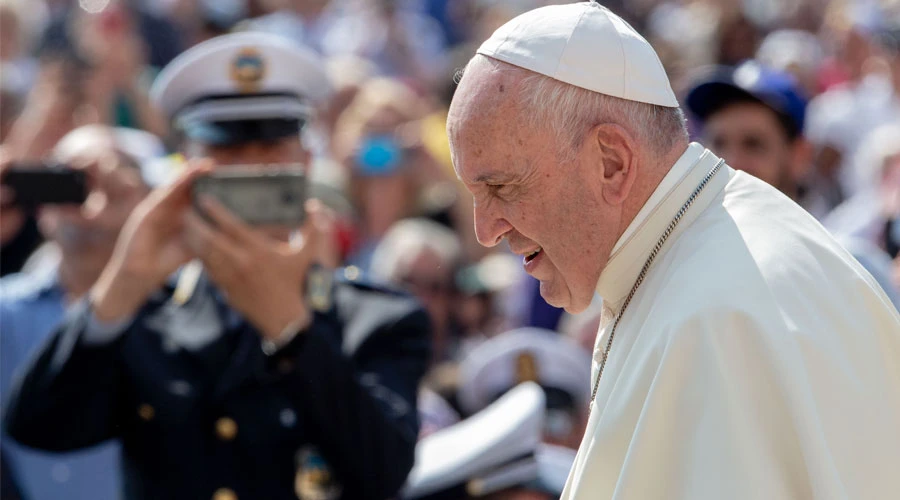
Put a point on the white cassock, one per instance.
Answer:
(758, 360)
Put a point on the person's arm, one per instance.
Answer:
(67, 397)
(360, 411)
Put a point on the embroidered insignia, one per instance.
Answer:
(314, 480)
(248, 70)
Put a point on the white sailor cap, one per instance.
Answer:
(561, 367)
(496, 449)
(241, 87)
(143, 148)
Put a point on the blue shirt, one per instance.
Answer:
(31, 307)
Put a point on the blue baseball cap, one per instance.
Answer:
(750, 81)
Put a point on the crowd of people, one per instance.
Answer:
(126, 378)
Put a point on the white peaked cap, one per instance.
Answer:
(586, 45)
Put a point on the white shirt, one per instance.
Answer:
(758, 359)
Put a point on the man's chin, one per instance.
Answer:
(562, 298)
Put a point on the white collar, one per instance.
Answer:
(634, 246)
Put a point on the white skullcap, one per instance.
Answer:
(586, 45)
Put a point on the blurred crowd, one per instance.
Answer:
(804, 94)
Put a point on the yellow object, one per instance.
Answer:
(146, 412)
(226, 428)
(224, 494)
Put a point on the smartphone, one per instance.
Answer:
(258, 194)
(44, 184)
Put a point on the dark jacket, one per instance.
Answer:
(333, 413)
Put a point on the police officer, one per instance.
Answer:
(265, 378)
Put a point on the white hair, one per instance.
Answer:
(570, 111)
(409, 238)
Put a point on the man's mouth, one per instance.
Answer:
(531, 256)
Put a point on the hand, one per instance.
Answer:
(152, 246)
(11, 217)
(262, 278)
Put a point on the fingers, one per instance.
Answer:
(177, 196)
(228, 223)
(7, 197)
(222, 259)
(180, 189)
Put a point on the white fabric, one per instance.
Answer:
(681, 168)
(564, 42)
(757, 360)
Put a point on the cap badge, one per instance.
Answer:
(526, 368)
(248, 70)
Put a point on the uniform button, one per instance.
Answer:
(351, 273)
(224, 494)
(146, 412)
(226, 428)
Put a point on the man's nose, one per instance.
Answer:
(489, 229)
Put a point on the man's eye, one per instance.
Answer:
(495, 188)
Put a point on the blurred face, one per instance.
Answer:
(91, 229)
(750, 138)
(428, 278)
(554, 215)
(284, 150)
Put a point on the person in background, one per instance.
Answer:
(33, 303)
(545, 357)
(838, 119)
(496, 454)
(158, 36)
(753, 116)
(869, 223)
(422, 256)
(796, 52)
(483, 289)
(255, 371)
(377, 142)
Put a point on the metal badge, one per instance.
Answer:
(319, 283)
(526, 368)
(248, 70)
(314, 480)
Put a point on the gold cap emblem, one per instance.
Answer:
(248, 70)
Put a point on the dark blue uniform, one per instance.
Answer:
(330, 415)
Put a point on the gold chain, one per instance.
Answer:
(640, 279)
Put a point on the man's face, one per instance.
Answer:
(524, 195)
(116, 189)
(285, 150)
(749, 137)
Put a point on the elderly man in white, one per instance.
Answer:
(742, 352)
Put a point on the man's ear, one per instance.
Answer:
(618, 161)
